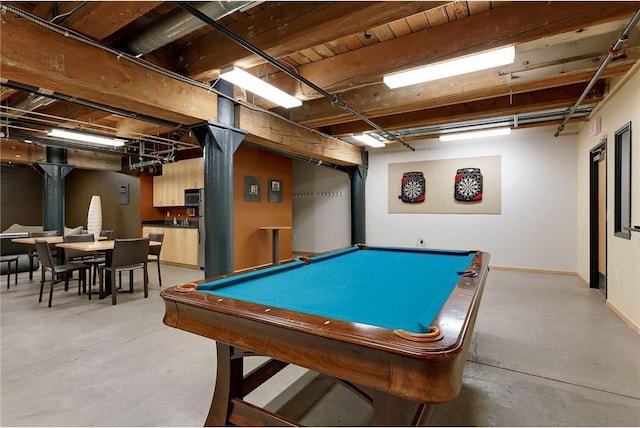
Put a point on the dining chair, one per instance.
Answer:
(9, 260)
(71, 255)
(32, 250)
(128, 255)
(99, 257)
(46, 262)
(154, 251)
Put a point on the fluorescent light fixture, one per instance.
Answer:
(451, 68)
(368, 140)
(259, 87)
(476, 134)
(87, 138)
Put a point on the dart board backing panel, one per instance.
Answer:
(439, 177)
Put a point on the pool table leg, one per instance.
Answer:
(228, 385)
(392, 410)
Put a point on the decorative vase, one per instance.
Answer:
(94, 217)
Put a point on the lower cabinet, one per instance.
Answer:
(180, 244)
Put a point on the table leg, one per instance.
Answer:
(106, 291)
(9, 274)
(392, 410)
(229, 376)
(32, 248)
(274, 247)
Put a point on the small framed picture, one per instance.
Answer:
(275, 191)
(252, 186)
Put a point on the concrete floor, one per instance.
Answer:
(546, 352)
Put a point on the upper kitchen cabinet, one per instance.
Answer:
(168, 188)
(193, 173)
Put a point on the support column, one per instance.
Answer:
(358, 176)
(54, 172)
(219, 142)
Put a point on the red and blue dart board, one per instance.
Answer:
(468, 185)
(413, 187)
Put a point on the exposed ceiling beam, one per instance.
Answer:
(501, 106)
(278, 134)
(378, 100)
(39, 57)
(100, 19)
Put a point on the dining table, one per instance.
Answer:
(105, 246)
(53, 241)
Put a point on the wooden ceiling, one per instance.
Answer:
(52, 77)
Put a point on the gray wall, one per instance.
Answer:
(81, 184)
(20, 196)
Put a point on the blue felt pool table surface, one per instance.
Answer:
(393, 288)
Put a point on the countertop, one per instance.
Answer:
(169, 223)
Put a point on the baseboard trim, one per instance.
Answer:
(517, 269)
(635, 327)
(583, 280)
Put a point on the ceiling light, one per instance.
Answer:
(259, 87)
(476, 134)
(87, 138)
(368, 140)
(452, 67)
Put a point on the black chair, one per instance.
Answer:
(99, 258)
(128, 255)
(71, 255)
(154, 252)
(46, 261)
(32, 249)
(9, 260)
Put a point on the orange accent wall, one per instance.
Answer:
(147, 210)
(252, 247)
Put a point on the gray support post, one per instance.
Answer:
(358, 176)
(219, 142)
(54, 172)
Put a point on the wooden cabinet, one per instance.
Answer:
(193, 173)
(180, 244)
(168, 188)
(158, 191)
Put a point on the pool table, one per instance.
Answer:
(392, 324)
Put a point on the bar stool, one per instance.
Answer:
(9, 260)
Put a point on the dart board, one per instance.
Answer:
(468, 185)
(413, 187)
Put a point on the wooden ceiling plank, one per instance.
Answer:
(102, 18)
(351, 42)
(5, 93)
(495, 28)
(477, 6)
(35, 56)
(418, 22)
(298, 26)
(400, 28)
(270, 131)
(457, 10)
(382, 32)
(47, 9)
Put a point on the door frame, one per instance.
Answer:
(594, 220)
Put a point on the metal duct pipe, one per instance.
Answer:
(32, 102)
(613, 52)
(180, 24)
